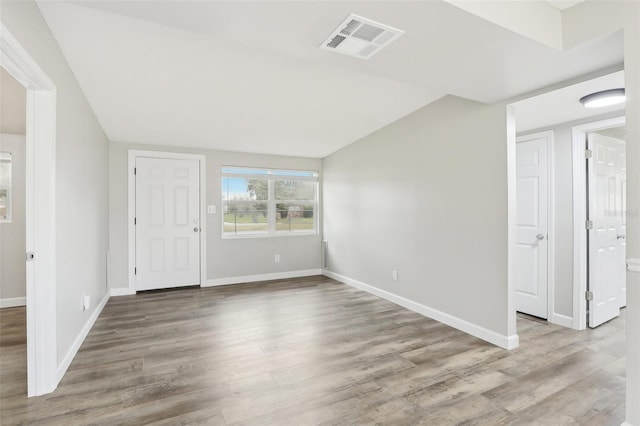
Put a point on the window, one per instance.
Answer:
(5, 187)
(268, 202)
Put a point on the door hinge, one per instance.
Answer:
(588, 153)
(135, 169)
(135, 271)
(135, 221)
(588, 224)
(588, 295)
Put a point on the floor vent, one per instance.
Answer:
(360, 37)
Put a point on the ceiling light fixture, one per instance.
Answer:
(603, 98)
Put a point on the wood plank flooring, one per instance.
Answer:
(312, 351)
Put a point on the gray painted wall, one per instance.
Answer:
(13, 105)
(13, 234)
(225, 258)
(82, 156)
(426, 196)
(563, 206)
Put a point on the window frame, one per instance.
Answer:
(271, 176)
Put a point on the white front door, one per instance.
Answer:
(167, 223)
(607, 205)
(531, 236)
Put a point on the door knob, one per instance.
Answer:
(620, 237)
(539, 237)
(196, 229)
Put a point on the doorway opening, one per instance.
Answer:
(599, 187)
(535, 196)
(13, 296)
(40, 194)
(554, 257)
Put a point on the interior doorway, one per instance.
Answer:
(13, 296)
(559, 114)
(600, 204)
(13, 102)
(40, 220)
(533, 269)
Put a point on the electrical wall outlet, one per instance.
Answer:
(277, 258)
(211, 209)
(394, 275)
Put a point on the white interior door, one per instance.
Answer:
(621, 211)
(167, 223)
(532, 241)
(607, 205)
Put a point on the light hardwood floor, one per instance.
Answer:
(312, 351)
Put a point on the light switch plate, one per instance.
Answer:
(211, 209)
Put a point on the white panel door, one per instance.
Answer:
(621, 237)
(167, 223)
(531, 236)
(607, 204)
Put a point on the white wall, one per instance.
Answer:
(562, 233)
(13, 234)
(81, 180)
(226, 258)
(427, 196)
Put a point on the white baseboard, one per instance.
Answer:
(73, 350)
(262, 277)
(626, 424)
(562, 320)
(12, 302)
(121, 291)
(507, 342)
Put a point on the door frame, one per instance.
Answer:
(40, 212)
(131, 182)
(552, 317)
(580, 273)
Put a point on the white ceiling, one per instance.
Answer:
(249, 76)
(563, 105)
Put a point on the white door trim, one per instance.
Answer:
(552, 317)
(578, 135)
(133, 154)
(40, 191)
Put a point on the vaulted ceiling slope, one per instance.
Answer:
(249, 76)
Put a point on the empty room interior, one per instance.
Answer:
(320, 212)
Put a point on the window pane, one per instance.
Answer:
(5, 186)
(295, 190)
(5, 208)
(5, 169)
(294, 217)
(245, 217)
(264, 201)
(236, 188)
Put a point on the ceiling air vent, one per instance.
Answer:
(360, 37)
